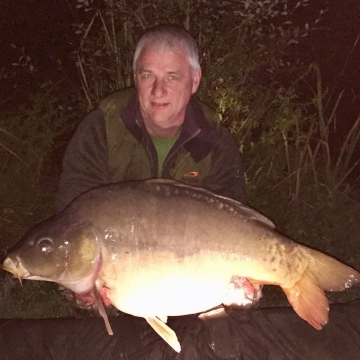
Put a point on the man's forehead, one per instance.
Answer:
(171, 60)
(164, 47)
(163, 52)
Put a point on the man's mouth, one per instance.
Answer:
(159, 105)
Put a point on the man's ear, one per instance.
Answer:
(196, 80)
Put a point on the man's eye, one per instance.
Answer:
(146, 76)
(173, 77)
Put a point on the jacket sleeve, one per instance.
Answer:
(85, 161)
(226, 175)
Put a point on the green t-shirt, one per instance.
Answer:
(163, 147)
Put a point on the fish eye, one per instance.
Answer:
(45, 245)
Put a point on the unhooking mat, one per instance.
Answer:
(255, 334)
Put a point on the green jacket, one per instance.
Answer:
(111, 144)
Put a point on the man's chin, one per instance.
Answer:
(163, 128)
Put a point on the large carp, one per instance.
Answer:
(159, 248)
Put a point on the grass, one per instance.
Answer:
(29, 143)
(31, 300)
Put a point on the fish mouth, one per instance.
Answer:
(16, 268)
(19, 271)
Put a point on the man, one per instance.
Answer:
(157, 130)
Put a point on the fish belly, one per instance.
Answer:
(172, 287)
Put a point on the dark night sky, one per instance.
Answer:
(41, 25)
(333, 46)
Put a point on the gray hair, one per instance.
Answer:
(167, 37)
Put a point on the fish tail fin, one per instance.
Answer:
(309, 301)
(324, 273)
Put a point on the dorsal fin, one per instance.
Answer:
(168, 187)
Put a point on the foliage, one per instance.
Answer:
(252, 34)
(249, 76)
(30, 138)
(293, 153)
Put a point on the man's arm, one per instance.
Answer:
(226, 175)
(85, 160)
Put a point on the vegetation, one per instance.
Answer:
(295, 173)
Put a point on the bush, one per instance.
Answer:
(253, 35)
(30, 140)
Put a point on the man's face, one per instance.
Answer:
(165, 82)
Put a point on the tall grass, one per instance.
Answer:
(302, 150)
(256, 31)
(29, 141)
(31, 137)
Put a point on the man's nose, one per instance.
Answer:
(159, 88)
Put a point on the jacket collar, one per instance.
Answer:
(198, 134)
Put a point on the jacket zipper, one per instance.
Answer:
(174, 150)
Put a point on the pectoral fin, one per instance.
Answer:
(102, 311)
(165, 332)
(162, 318)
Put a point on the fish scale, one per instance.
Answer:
(158, 248)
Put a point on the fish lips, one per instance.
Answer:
(16, 268)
